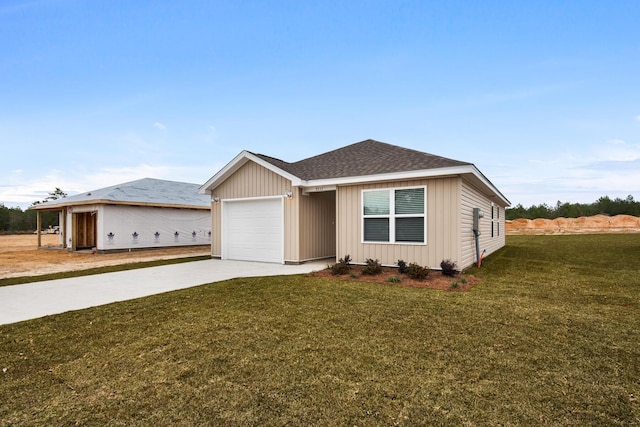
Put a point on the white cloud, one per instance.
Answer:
(615, 150)
(159, 126)
(577, 176)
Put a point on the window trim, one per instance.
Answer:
(495, 221)
(392, 216)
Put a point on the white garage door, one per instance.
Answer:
(253, 230)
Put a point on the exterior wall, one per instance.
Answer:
(252, 180)
(68, 223)
(473, 198)
(318, 225)
(116, 225)
(122, 221)
(443, 227)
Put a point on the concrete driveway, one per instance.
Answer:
(33, 300)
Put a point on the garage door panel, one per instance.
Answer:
(253, 230)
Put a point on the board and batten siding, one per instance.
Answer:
(317, 225)
(443, 225)
(473, 198)
(253, 180)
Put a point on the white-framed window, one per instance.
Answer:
(495, 221)
(394, 215)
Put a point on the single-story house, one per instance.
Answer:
(366, 200)
(147, 213)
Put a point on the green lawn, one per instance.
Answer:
(551, 336)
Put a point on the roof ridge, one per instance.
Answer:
(368, 157)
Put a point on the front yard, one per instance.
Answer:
(549, 336)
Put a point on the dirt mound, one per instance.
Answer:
(597, 224)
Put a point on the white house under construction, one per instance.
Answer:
(146, 213)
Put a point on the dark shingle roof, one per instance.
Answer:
(360, 159)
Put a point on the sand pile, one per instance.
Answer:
(583, 225)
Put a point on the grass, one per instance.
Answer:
(550, 337)
(97, 270)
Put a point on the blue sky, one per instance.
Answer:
(542, 96)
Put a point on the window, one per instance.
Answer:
(495, 221)
(395, 215)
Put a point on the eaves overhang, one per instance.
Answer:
(468, 170)
(237, 163)
(62, 205)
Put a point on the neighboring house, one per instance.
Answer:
(146, 213)
(367, 200)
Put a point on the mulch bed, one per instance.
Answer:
(435, 280)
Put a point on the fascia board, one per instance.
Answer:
(485, 181)
(223, 173)
(424, 173)
(60, 206)
(239, 161)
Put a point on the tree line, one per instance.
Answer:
(15, 220)
(604, 205)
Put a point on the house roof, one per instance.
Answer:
(365, 161)
(361, 159)
(143, 192)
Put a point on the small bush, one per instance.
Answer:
(394, 279)
(449, 268)
(454, 285)
(417, 272)
(372, 268)
(402, 267)
(343, 266)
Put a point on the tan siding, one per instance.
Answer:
(317, 225)
(252, 180)
(473, 198)
(442, 228)
(216, 227)
(292, 226)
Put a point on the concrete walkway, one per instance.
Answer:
(33, 300)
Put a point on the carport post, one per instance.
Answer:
(38, 224)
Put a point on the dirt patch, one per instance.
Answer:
(597, 224)
(20, 256)
(435, 280)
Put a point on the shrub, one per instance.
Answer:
(343, 266)
(417, 272)
(449, 268)
(402, 267)
(394, 279)
(372, 268)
